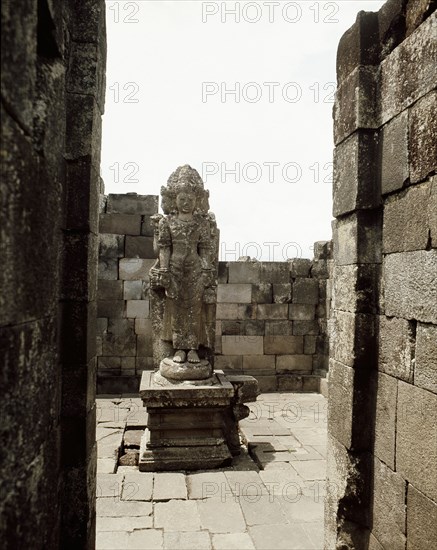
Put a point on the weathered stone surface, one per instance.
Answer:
(433, 214)
(410, 285)
(354, 287)
(300, 328)
(406, 223)
(256, 327)
(385, 419)
(240, 541)
(128, 523)
(423, 136)
(131, 203)
(234, 293)
(259, 364)
(246, 311)
(110, 308)
(244, 272)
(102, 325)
(346, 472)
(301, 312)
(310, 344)
(227, 311)
(137, 309)
(108, 269)
(20, 61)
(408, 73)
(425, 368)
(274, 272)
(267, 383)
(416, 13)
(396, 347)
(305, 291)
(388, 506)
(282, 293)
(355, 181)
(229, 363)
(278, 328)
(221, 516)
(262, 293)
(283, 345)
(202, 485)
(82, 195)
(83, 75)
(147, 226)
(242, 345)
(83, 125)
(168, 486)
(341, 390)
(357, 238)
(352, 339)
(279, 537)
(131, 269)
(109, 507)
(120, 339)
(232, 328)
(300, 267)
(356, 101)
(272, 311)
(293, 363)
(109, 290)
(421, 520)
(80, 253)
(358, 45)
(320, 269)
(122, 224)
(139, 247)
(133, 290)
(322, 250)
(391, 23)
(416, 437)
(394, 154)
(111, 246)
(187, 541)
(144, 343)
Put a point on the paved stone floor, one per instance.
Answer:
(271, 498)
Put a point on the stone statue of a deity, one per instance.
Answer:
(184, 278)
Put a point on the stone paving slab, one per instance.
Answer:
(272, 497)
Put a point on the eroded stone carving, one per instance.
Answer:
(184, 278)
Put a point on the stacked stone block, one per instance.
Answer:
(271, 321)
(124, 332)
(382, 421)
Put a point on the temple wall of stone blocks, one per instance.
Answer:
(382, 422)
(271, 321)
(271, 316)
(52, 99)
(124, 332)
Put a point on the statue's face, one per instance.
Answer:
(186, 203)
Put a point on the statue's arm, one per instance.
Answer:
(158, 273)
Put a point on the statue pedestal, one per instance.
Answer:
(193, 425)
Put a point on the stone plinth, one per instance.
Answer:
(193, 426)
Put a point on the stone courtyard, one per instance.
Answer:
(358, 323)
(271, 497)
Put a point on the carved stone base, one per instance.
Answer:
(192, 427)
(185, 371)
(204, 453)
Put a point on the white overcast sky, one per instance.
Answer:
(171, 69)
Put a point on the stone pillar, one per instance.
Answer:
(384, 286)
